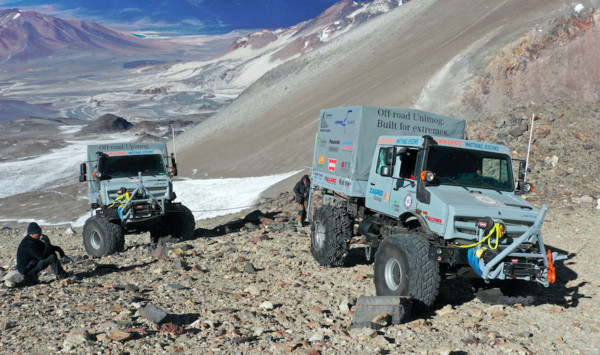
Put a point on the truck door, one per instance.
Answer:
(380, 180)
(402, 196)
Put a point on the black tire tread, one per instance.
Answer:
(113, 236)
(424, 276)
(184, 224)
(338, 232)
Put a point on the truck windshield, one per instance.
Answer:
(470, 168)
(130, 165)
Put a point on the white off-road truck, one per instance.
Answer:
(130, 190)
(431, 203)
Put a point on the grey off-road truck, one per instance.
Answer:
(431, 204)
(130, 191)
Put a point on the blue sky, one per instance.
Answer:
(180, 16)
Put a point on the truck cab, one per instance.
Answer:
(467, 180)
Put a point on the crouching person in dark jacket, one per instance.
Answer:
(302, 191)
(35, 253)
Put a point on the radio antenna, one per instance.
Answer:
(529, 147)
(174, 149)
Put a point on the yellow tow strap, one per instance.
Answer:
(497, 229)
(126, 196)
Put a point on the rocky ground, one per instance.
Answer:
(247, 283)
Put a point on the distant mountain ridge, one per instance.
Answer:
(248, 58)
(27, 35)
(308, 35)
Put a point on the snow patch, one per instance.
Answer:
(16, 16)
(578, 8)
(47, 170)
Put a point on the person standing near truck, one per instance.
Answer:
(302, 191)
(35, 253)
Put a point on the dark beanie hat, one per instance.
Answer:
(33, 228)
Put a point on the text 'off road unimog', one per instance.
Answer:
(130, 190)
(432, 204)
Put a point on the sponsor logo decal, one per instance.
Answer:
(345, 183)
(331, 180)
(331, 141)
(386, 141)
(333, 149)
(345, 165)
(347, 146)
(409, 141)
(332, 164)
(346, 121)
(386, 197)
(434, 220)
(408, 201)
(324, 125)
(375, 191)
(321, 159)
(396, 206)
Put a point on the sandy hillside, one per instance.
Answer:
(388, 61)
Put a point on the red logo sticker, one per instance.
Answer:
(332, 163)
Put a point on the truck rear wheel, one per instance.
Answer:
(102, 237)
(330, 232)
(403, 267)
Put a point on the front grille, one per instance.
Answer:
(157, 192)
(467, 226)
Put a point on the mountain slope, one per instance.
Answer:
(387, 61)
(249, 57)
(26, 35)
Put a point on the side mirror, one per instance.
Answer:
(82, 172)
(400, 151)
(173, 165)
(522, 170)
(385, 171)
(389, 156)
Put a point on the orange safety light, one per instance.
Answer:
(551, 270)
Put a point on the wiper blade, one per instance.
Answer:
(454, 181)
(490, 186)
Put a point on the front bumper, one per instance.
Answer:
(513, 262)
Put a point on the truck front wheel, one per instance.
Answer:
(102, 237)
(178, 223)
(182, 223)
(403, 267)
(331, 230)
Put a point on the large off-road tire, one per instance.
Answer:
(102, 237)
(403, 267)
(331, 232)
(182, 223)
(178, 224)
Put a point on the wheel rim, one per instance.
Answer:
(319, 235)
(95, 240)
(393, 274)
